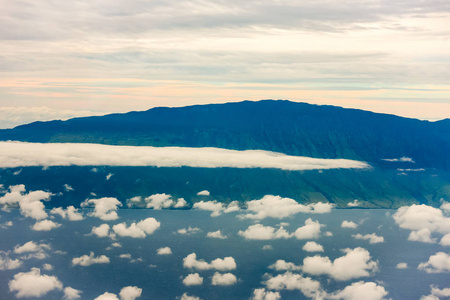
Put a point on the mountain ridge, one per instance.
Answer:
(294, 128)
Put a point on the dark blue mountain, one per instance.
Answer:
(282, 126)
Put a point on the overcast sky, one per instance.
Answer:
(64, 58)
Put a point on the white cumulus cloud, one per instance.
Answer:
(188, 231)
(282, 265)
(290, 281)
(193, 279)
(71, 293)
(33, 284)
(402, 265)
(101, 231)
(262, 294)
(361, 290)
(225, 264)
(203, 193)
(311, 230)
(30, 204)
(104, 208)
(137, 230)
(45, 225)
(164, 251)
(312, 247)
(348, 224)
(130, 293)
(20, 154)
(223, 279)
(6, 263)
(185, 296)
(277, 207)
(87, 260)
(423, 235)
(261, 232)
(216, 235)
(372, 238)
(437, 263)
(70, 213)
(355, 263)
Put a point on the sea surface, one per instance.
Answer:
(160, 276)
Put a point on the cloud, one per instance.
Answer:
(277, 207)
(355, 263)
(437, 263)
(108, 177)
(437, 293)
(31, 247)
(355, 203)
(349, 224)
(101, 231)
(45, 225)
(188, 231)
(29, 203)
(261, 232)
(445, 241)
(33, 284)
(34, 250)
(87, 260)
(130, 293)
(289, 281)
(373, 238)
(361, 290)
(423, 235)
(226, 264)
(311, 230)
(217, 208)
(203, 193)
(185, 296)
(47, 267)
(164, 251)
(193, 279)
(70, 213)
(402, 265)
(71, 293)
(282, 265)
(216, 235)
(6, 263)
(107, 296)
(157, 201)
(223, 279)
(104, 208)
(68, 188)
(262, 294)
(137, 230)
(417, 217)
(401, 159)
(19, 154)
(312, 247)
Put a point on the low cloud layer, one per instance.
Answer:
(19, 154)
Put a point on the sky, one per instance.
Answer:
(60, 59)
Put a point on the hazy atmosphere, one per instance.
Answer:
(60, 59)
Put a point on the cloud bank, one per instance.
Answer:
(19, 154)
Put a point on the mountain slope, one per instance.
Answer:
(281, 126)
